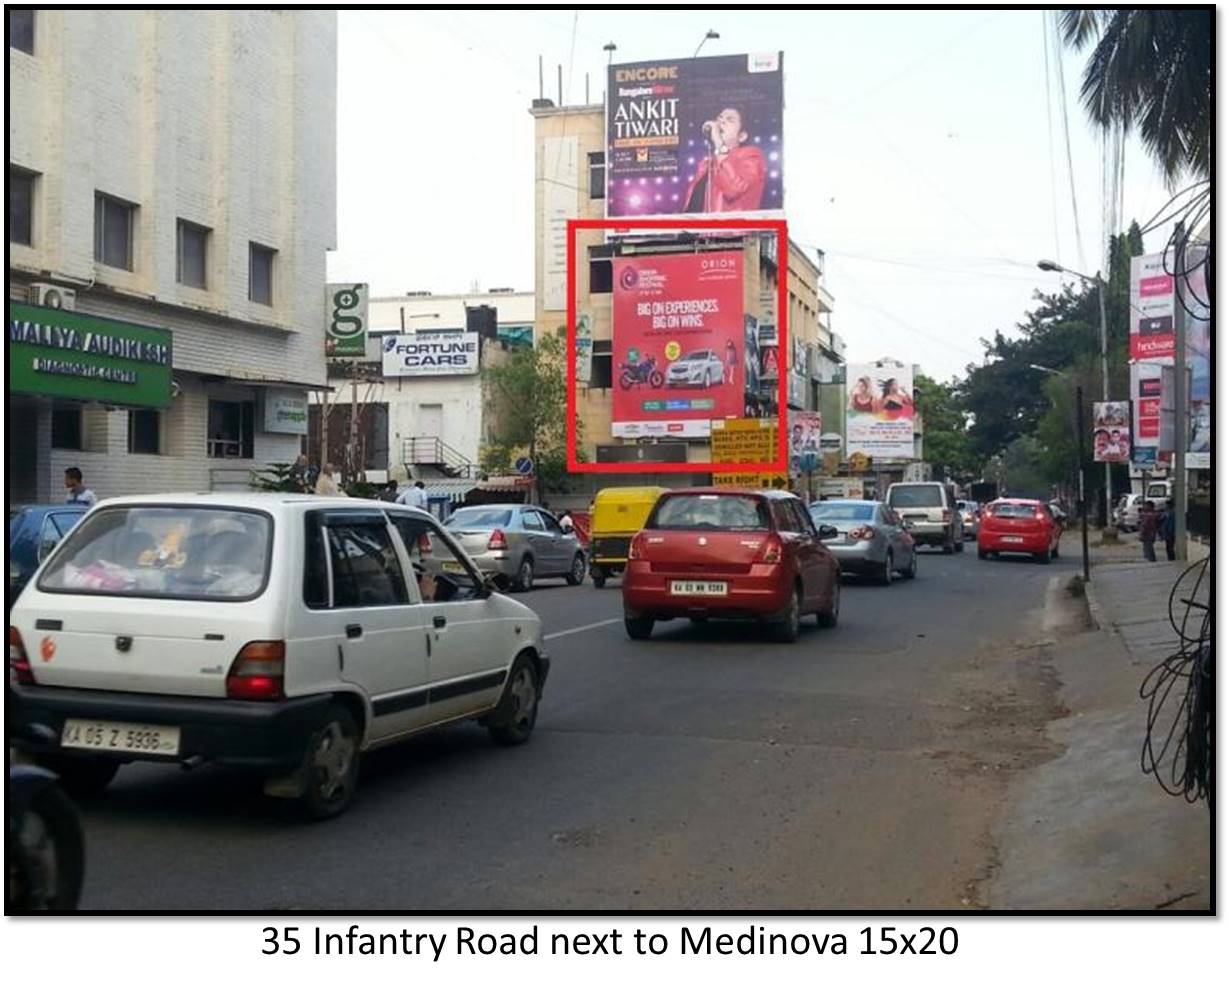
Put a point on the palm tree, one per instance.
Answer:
(1151, 69)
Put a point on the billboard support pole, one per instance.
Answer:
(1181, 431)
(1079, 412)
(1105, 397)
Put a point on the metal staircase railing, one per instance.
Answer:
(433, 451)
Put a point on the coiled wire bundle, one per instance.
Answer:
(1178, 742)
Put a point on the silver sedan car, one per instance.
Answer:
(970, 515)
(871, 538)
(699, 368)
(517, 543)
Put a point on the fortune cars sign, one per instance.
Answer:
(431, 352)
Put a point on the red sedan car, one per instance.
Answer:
(1018, 525)
(730, 554)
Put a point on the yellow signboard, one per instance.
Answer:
(750, 479)
(744, 441)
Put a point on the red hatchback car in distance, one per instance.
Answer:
(719, 553)
(1018, 525)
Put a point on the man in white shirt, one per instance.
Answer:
(416, 496)
(78, 494)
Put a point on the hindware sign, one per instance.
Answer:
(431, 352)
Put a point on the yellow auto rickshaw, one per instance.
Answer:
(615, 516)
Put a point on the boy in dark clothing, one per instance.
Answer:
(1149, 523)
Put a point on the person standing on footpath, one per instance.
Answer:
(1149, 523)
(78, 494)
(326, 484)
(1169, 525)
(415, 496)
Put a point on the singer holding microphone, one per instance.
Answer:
(731, 177)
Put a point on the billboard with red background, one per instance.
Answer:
(1152, 309)
(678, 341)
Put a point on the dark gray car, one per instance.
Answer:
(518, 543)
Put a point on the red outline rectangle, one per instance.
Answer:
(781, 464)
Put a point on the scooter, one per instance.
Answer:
(44, 844)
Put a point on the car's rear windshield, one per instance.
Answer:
(164, 551)
(842, 511)
(740, 512)
(697, 356)
(1010, 510)
(479, 518)
(915, 497)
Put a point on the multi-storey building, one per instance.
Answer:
(172, 194)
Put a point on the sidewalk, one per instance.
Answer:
(1089, 830)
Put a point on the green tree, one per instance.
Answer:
(1150, 69)
(526, 405)
(945, 441)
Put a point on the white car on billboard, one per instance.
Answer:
(699, 368)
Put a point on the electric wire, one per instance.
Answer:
(1177, 747)
(1045, 48)
(1062, 102)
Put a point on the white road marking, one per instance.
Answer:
(591, 625)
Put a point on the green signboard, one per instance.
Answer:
(67, 355)
(345, 309)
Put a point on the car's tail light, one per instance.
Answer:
(1039, 516)
(861, 533)
(772, 551)
(635, 549)
(258, 673)
(19, 663)
(947, 515)
(497, 541)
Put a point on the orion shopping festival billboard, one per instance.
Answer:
(677, 343)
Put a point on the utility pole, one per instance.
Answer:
(1105, 395)
(1181, 429)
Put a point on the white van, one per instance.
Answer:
(282, 634)
(930, 513)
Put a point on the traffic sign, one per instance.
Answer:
(524, 465)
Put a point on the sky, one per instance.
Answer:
(919, 155)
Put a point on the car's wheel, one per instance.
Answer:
(948, 547)
(911, 571)
(982, 554)
(1042, 558)
(524, 575)
(638, 627)
(785, 628)
(577, 574)
(829, 616)
(331, 765)
(46, 854)
(885, 575)
(960, 545)
(513, 720)
(1054, 552)
(81, 776)
(599, 576)
(697, 620)
(708, 379)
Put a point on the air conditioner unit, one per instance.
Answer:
(52, 296)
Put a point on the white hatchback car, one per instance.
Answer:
(283, 634)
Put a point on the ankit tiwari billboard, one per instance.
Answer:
(879, 410)
(695, 136)
(1111, 432)
(678, 338)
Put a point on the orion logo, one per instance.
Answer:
(630, 278)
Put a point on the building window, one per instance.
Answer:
(231, 428)
(143, 431)
(601, 276)
(66, 427)
(21, 30)
(597, 175)
(260, 273)
(113, 231)
(600, 376)
(21, 206)
(190, 252)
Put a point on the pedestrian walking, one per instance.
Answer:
(78, 494)
(1149, 524)
(1169, 526)
(326, 484)
(389, 492)
(415, 496)
(299, 472)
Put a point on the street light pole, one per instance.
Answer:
(1053, 266)
(1079, 417)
